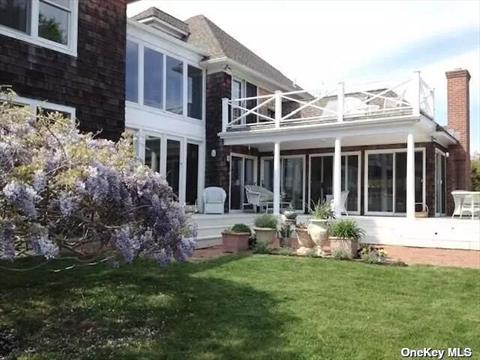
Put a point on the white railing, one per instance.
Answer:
(341, 103)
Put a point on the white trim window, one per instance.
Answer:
(240, 89)
(37, 105)
(385, 181)
(163, 83)
(48, 23)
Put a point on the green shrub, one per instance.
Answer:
(240, 228)
(261, 248)
(341, 254)
(346, 229)
(266, 221)
(373, 255)
(322, 210)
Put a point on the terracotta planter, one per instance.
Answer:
(350, 246)
(318, 230)
(235, 242)
(266, 236)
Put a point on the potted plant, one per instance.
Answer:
(266, 229)
(318, 226)
(235, 239)
(305, 243)
(344, 236)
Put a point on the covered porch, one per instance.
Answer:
(381, 155)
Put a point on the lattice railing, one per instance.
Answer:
(341, 103)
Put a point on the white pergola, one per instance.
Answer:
(410, 121)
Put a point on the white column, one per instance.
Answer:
(278, 108)
(337, 177)
(410, 176)
(276, 179)
(224, 114)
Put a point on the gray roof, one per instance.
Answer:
(167, 18)
(206, 35)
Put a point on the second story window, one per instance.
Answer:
(195, 86)
(162, 82)
(48, 23)
(174, 85)
(153, 83)
(131, 72)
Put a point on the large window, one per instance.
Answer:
(39, 20)
(195, 85)
(161, 79)
(153, 83)
(387, 182)
(131, 72)
(174, 85)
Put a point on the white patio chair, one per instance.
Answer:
(467, 203)
(259, 196)
(458, 197)
(343, 201)
(214, 200)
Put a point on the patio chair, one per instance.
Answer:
(466, 203)
(343, 201)
(214, 200)
(259, 196)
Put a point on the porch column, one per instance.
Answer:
(337, 177)
(410, 176)
(276, 179)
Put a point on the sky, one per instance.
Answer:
(323, 42)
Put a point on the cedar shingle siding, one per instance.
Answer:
(92, 82)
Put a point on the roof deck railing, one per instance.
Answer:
(410, 97)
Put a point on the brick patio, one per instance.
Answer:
(408, 255)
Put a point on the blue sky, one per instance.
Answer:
(322, 42)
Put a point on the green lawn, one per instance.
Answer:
(252, 307)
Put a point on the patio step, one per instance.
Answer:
(210, 227)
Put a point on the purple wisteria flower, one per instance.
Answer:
(23, 197)
(42, 245)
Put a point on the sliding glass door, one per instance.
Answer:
(292, 177)
(242, 172)
(386, 182)
(178, 159)
(321, 178)
(173, 164)
(191, 187)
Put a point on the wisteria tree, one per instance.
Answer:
(65, 192)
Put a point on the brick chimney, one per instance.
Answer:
(458, 98)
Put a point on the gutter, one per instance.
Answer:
(227, 61)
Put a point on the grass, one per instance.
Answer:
(250, 307)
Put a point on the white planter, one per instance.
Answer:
(318, 231)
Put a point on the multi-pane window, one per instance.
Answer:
(174, 85)
(52, 20)
(153, 83)
(131, 72)
(163, 82)
(195, 84)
